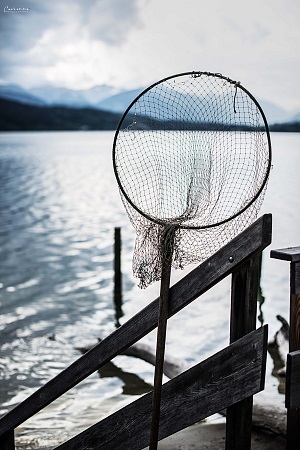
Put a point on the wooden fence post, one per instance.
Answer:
(292, 255)
(117, 276)
(292, 399)
(7, 441)
(244, 294)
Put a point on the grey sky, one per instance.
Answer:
(131, 43)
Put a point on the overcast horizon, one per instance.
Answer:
(135, 43)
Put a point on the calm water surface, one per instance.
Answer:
(59, 205)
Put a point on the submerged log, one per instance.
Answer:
(172, 366)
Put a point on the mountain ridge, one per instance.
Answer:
(16, 116)
(109, 98)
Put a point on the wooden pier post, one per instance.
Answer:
(117, 276)
(244, 295)
(7, 441)
(293, 412)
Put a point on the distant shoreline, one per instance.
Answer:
(16, 116)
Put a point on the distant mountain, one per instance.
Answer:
(119, 102)
(53, 95)
(108, 98)
(274, 113)
(296, 117)
(14, 92)
(102, 97)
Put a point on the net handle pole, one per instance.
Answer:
(167, 254)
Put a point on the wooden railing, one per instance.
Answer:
(228, 379)
(292, 398)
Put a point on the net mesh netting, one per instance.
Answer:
(191, 153)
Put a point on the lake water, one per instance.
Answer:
(59, 205)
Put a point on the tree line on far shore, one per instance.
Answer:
(15, 116)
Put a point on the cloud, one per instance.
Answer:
(36, 38)
(109, 21)
(135, 42)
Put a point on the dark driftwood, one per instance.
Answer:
(278, 347)
(225, 378)
(252, 241)
(172, 366)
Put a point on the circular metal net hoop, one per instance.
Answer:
(191, 152)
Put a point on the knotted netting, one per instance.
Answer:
(192, 153)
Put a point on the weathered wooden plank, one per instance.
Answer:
(253, 240)
(292, 397)
(293, 414)
(294, 337)
(295, 277)
(292, 400)
(227, 377)
(7, 441)
(294, 334)
(244, 292)
(287, 254)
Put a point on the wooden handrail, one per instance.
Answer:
(248, 243)
(292, 254)
(236, 372)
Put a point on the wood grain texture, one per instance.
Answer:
(244, 294)
(161, 335)
(293, 412)
(221, 380)
(292, 382)
(292, 398)
(7, 441)
(287, 254)
(294, 335)
(250, 242)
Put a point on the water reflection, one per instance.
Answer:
(59, 205)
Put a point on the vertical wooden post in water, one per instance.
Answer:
(117, 275)
(244, 292)
(293, 413)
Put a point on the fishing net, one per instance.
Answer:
(191, 154)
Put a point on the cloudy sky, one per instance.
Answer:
(132, 43)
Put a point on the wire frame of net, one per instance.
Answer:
(192, 152)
